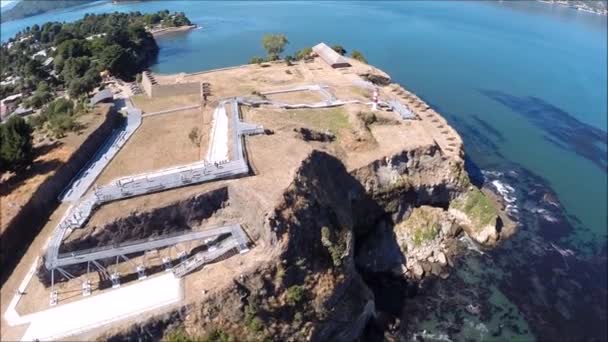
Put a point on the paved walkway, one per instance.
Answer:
(85, 314)
(218, 144)
(85, 178)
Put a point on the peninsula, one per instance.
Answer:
(245, 203)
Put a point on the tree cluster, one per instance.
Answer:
(117, 42)
(59, 117)
(16, 151)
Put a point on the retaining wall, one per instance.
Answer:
(175, 89)
(34, 214)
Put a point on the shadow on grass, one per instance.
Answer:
(38, 168)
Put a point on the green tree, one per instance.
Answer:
(274, 44)
(77, 87)
(339, 49)
(74, 68)
(33, 68)
(41, 96)
(60, 117)
(358, 56)
(16, 151)
(72, 48)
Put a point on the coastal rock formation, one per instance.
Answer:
(398, 215)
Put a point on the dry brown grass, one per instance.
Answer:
(160, 142)
(17, 189)
(156, 104)
(333, 119)
(297, 97)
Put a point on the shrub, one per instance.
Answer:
(256, 60)
(295, 294)
(179, 335)
(303, 53)
(358, 56)
(218, 335)
(339, 49)
(60, 117)
(425, 234)
(252, 321)
(194, 137)
(288, 60)
(60, 124)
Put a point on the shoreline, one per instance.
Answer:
(576, 7)
(167, 30)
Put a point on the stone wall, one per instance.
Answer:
(33, 216)
(154, 89)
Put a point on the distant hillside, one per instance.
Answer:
(28, 8)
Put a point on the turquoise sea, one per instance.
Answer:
(525, 84)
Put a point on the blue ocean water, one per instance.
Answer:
(524, 83)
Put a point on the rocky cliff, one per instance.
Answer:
(332, 228)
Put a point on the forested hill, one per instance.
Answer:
(70, 56)
(33, 7)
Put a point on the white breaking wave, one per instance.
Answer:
(480, 327)
(427, 336)
(505, 190)
(470, 244)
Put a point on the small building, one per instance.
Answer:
(22, 111)
(102, 96)
(41, 53)
(329, 56)
(11, 80)
(8, 104)
(47, 62)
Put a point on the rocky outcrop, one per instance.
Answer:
(478, 216)
(422, 176)
(393, 216)
(419, 245)
(308, 134)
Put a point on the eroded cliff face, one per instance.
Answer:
(398, 215)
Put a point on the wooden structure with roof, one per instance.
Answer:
(329, 56)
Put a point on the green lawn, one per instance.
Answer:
(332, 119)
